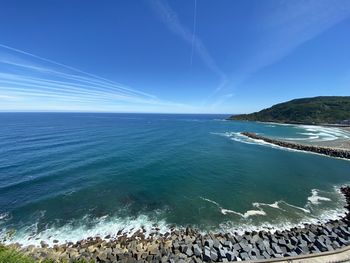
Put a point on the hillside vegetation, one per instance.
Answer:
(317, 110)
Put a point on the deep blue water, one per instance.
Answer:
(69, 175)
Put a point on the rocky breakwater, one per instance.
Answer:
(302, 147)
(189, 245)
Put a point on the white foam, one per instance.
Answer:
(225, 211)
(208, 200)
(320, 133)
(273, 205)
(315, 198)
(241, 228)
(297, 207)
(107, 225)
(4, 216)
(101, 227)
(238, 137)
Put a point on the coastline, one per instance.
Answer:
(339, 144)
(329, 151)
(190, 245)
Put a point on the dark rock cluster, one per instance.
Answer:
(309, 148)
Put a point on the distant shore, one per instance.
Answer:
(189, 245)
(336, 144)
(333, 152)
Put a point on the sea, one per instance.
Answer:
(69, 176)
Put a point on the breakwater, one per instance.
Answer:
(339, 153)
(189, 245)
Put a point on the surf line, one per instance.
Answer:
(226, 211)
(338, 153)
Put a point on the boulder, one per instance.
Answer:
(206, 254)
(230, 256)
(209, 243)
(197, 250)
(213, 254)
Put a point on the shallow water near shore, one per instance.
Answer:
(67, 176)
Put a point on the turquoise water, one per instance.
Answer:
(67, 176)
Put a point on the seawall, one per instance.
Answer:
(339, 153)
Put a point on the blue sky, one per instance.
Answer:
(183, 56)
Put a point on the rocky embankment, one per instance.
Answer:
(340, 153)
(189, 245)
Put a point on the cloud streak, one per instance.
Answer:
(283, 27)
(194, 29)
(27, 76)
(170, 18)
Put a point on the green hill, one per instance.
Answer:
(317, 110)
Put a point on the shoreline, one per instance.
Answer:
(328, 151)
(189, 245)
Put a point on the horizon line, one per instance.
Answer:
(116, 112)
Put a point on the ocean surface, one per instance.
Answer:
(67, 176)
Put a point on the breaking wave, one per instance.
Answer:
(315, 198)
(80, 229)
(238, 137)
(112, 226)
(311, 213)
(320, 134)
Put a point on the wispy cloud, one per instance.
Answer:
(27, 76)
(194, 29)
(170, 18)
(284, 26)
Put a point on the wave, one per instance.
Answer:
(321, 134)
(315, 198)
(4, 216)
(238, 137)
(114, 226)
(81, 229)
(309, 215)
(228, 211)
(241, 228)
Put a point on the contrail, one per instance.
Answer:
(194, 29)
(118, 85)
(46, 78)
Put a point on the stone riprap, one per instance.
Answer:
(188, 245)
(340, 153)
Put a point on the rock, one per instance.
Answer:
(320, 245)
(237, 247)
(244, 256)
(301, 250)
(222, 253)
(197, 250)
(189, 252)
(266, 255)
(227, 244)
(209, 243)
(255, 238)
(230, 256)
(216, 244)
(306, 238)
(213, 254)
(206, 255)
(153, 249)
(276, 248)
(43, 244)
(294, 241)
(342, 241)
